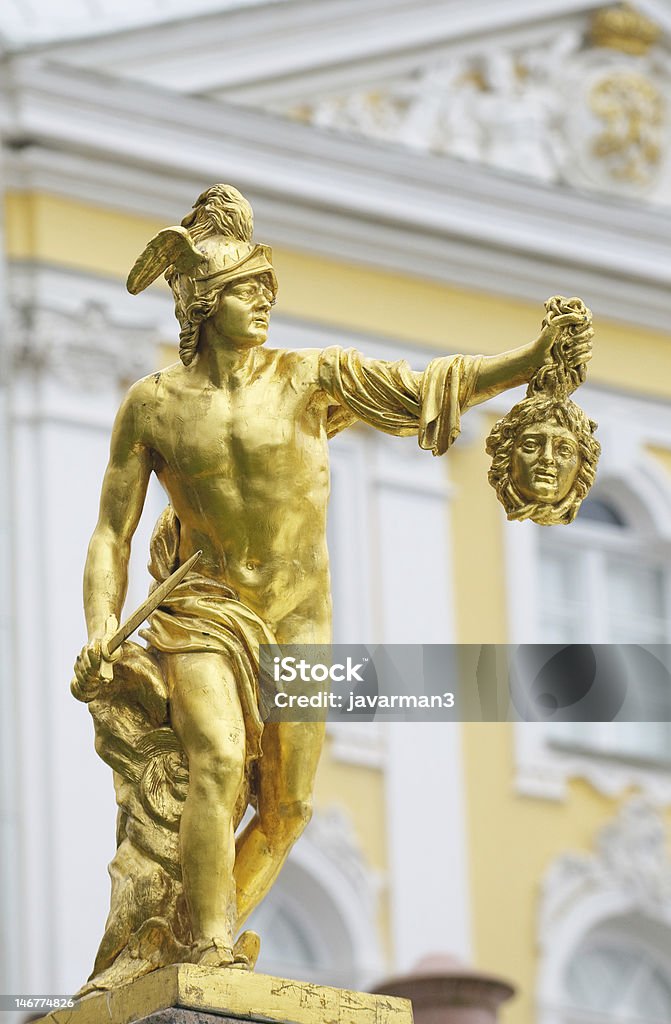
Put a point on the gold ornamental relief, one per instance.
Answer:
(632, 112)
(624, 28)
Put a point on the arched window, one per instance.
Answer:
(608, 580)
(605, 583)
(604, 925)
(293, 945)
(616, 977)
(319, 922)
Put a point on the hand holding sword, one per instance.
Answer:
(96, 659)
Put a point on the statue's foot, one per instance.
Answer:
(246, 951)
(211, 953)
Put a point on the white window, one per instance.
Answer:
(606, 581)
(614, 979)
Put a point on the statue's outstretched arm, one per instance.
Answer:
(510, 369)
(393, 398)
(121, 502)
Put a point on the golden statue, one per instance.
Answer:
(237, 435)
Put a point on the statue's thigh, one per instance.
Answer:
(205, 709)
(287, 769)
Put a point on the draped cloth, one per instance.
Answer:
(204, 614)
(397, 400)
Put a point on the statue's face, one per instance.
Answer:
(545, 462)
(243, 314)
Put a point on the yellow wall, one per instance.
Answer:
(661, 456)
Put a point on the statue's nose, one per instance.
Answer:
(547, 455)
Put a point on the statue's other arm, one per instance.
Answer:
(397, 400)
(121, 502)
(510, 369)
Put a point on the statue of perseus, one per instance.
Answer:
(237, 434)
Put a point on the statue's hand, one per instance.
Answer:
(553, 326)
(91, 669)
(567, 322)
(577, 347)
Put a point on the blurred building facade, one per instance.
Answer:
(427, 173)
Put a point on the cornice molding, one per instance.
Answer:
(269, 46)
(123, 145)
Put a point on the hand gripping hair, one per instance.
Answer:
(211, 248)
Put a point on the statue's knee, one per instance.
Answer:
(217, 771)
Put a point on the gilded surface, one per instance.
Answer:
(632, 111)
(237, 433)
(624, 28)
(544, 454)
(254, 997)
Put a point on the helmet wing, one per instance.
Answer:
(171, 247)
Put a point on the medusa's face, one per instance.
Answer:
(545, 462)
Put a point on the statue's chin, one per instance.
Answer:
(539, 492)
(546, 494)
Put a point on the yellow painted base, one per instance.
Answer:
(234, 993)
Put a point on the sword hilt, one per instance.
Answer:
(108, 657)
(110, 645)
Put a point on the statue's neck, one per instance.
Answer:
(221, 363)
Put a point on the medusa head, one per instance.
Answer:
(544, 457)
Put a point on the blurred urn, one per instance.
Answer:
(445, 991)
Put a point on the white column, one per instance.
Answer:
(429, 883)
(9, 912)
(428, 866)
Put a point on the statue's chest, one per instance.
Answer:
(223, 431)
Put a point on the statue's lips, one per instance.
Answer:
(544, 476)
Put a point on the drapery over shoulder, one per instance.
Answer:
(397, 400)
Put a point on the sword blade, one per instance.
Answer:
(151, 604)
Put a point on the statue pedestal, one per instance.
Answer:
(189, 994)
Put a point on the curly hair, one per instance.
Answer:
(501, 442)
(219, 210)
(191, 311)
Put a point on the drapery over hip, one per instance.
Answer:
(203, 614)
(396, 399)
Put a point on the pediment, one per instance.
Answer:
(570, 92)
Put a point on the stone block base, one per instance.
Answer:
(175, 1016)
(190, 994)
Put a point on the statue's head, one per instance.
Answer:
(544, 457)
(209, 256)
